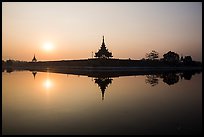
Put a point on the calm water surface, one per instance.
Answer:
(52, 103)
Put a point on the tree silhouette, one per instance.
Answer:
(152, 55)
(171, 57)
(187, 60)
(170, 78)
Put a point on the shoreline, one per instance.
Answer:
(109, 71)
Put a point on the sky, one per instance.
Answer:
(65, 31)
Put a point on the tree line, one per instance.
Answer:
(170, 57)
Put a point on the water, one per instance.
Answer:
(51, 103)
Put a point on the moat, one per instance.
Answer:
(56, 103)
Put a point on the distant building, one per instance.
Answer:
(34, 59)
(103, 51)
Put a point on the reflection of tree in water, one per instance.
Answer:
(103, 84)
(152, 80)
(188, 74)
(170, 78)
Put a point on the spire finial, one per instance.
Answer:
(103, 39)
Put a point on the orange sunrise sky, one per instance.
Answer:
(60, 31)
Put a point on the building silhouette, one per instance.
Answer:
(103, 51)
(34, 59)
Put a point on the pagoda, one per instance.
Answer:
(103, 51)
(34, 59)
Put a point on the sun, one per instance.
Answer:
(48, 46)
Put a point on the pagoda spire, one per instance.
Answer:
(103, 51)
(103, 43)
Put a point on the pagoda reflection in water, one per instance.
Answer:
(103, 84)
(103, 79)
(34, 73)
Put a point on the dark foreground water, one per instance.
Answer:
(51, 103)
